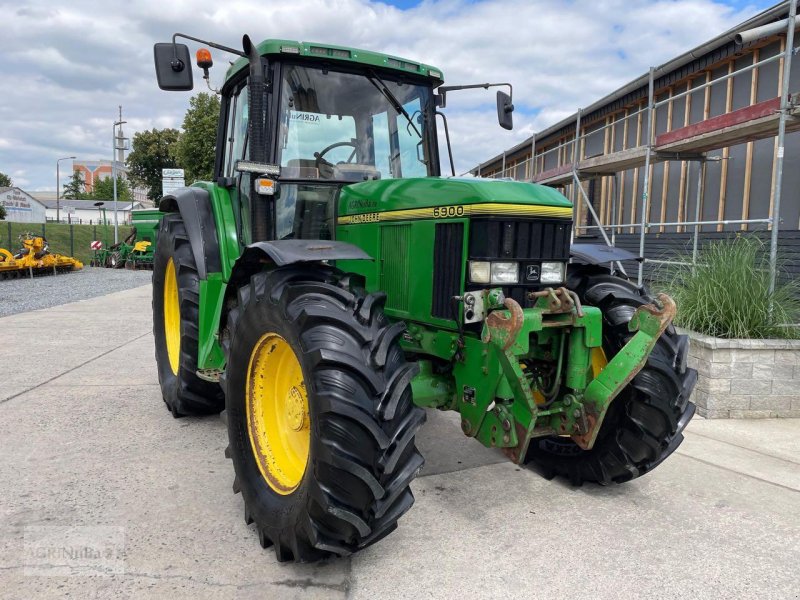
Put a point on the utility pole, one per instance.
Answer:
(121, 148)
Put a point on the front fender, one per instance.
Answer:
(597, 254)
(287, 252)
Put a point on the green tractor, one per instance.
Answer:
(329, 285)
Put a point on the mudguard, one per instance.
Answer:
(286, 252)
(597, 254)
(194, 206)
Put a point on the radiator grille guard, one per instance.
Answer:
(528, 241)
(448, 263)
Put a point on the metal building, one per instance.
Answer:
(689, 151)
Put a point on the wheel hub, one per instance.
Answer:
(295, 409)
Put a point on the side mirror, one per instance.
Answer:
(504, 111)
(173, 67)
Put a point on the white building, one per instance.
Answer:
(21, 207)
(84, 212)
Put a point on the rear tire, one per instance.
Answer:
(182, 390)
(644, 424)
(361, 455)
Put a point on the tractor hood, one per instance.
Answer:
(460, 196)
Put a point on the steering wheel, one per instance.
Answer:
(326, 168)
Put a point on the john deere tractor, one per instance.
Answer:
(329, 285)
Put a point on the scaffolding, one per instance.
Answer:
(690, 143)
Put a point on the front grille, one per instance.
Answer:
(447, 264)
(520, 239)
(526, 241)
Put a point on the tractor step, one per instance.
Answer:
(211, 375)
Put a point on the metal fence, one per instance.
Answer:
(63, 238)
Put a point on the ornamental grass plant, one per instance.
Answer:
(727, 293)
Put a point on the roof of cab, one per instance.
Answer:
(340, 53)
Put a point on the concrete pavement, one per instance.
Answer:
(85, 441)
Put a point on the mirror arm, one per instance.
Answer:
(205, 42)
(453, 88)
(447, 137)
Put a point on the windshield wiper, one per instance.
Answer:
(381, 87)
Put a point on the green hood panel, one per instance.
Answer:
(415, 193)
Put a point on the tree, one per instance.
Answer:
(76, 188)
(5, 180)
(195, 150)
(152, 151)
(3, 212)
(104, 190)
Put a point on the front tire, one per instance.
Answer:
(644, 424)
(176, 312)
(343, 484)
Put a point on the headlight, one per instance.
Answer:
(479, 271)
(505, 272)
(552, 272)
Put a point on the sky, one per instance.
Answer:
(66, 66)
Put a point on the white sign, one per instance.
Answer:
(171, 180)
(170, 185)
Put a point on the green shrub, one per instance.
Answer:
(727, 293)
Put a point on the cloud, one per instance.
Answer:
(67, 66)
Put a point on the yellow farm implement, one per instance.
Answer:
(34, 259)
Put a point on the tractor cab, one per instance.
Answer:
(299, 121)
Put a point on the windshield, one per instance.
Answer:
(341, 126)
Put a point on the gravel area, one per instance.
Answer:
(22, 295)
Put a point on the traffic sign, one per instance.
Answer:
(96, 245)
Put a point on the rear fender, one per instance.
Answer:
(194, 206)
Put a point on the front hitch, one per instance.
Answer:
(649, 322)
(583, 403)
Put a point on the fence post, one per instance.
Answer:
(784, 114)
(9, 236)
(646, 185)
(71, 239)
(44, 232)
(94, 233)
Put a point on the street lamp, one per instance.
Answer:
(58, 186)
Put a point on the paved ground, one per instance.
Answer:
(86, 442)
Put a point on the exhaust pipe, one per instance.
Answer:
(757, 33)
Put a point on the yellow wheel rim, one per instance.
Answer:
(172, 317)
(277, 413)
